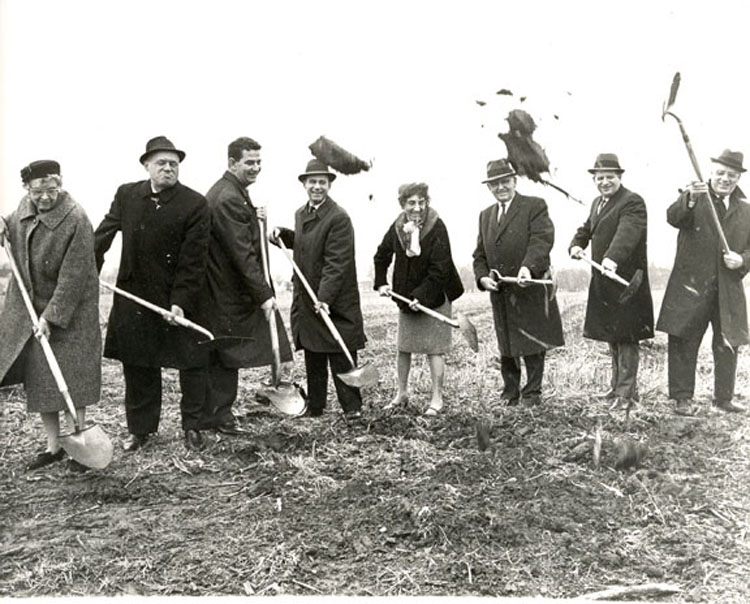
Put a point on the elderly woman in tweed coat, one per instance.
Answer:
(53, 245)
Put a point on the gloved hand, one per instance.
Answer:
(384, 290)
(322, 306)
(576, 252)
(269, 306)
(42, 329)
(273, 235)
(413, 304)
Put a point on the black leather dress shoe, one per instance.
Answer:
(134, 442)
(45, 458)
(729, 406)
(230, 428)
(193, 440)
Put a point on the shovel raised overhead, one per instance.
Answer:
(88, 446)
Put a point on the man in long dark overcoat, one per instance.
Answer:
(617, 228)
(165, 229)
(705, 285)
(323, 241)
(240, 298)
(515, 239)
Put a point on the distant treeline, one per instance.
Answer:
(568, 279)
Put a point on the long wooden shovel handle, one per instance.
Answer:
(600, 268)
(693, 160)
(182, 321)
(323, 314)
(276, 366)
(425, 310)
(49, 355)
(499, 277)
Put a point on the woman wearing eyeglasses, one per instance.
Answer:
(52, 242)
(423, 272)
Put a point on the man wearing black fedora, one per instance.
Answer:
(323, 242)
(616, 228)
(165, 231)
(515, 239)
(705, 285)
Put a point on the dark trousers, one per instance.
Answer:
(316, 367)
(510, 368)
(143, 398)
(221, 393)
(625, 359)
(682, 357)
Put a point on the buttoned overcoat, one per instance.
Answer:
(617, 232)
(54, 252)
(323, 243)
(236, 280)
(527, 321)
(699, 271)
(163, 260)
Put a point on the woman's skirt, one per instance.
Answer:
(418, 333)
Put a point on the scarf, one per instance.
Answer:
(410, 233)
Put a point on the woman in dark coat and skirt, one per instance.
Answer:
(425, 273)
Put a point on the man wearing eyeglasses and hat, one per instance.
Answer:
(515, 239)
(617, 229)
(165, 232)
(705, 285)
(323, 242)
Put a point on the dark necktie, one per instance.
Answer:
(600, 207)
(721, 209)
(501, 217)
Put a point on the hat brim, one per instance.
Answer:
(331, 176)
(728, 165)
(499, 177)
(595, 170)
(145, 156)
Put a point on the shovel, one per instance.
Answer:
(630, 286)
(498, 277)
(88, 446)
(358, 377)
(462, 323)
(285, 396)
(666, 111)
(182, 321)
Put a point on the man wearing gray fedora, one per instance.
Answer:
(515, 239)
(165, 232)
(323, 242)
(616, 227)
(705, 285)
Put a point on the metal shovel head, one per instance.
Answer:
(632, 287)
(286, 397)
(366, 375)
(90, 447)
(468, 331)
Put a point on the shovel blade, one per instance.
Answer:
(468, 331)
(286, 397)
(366, 375)
(90, 447)
(632, 287)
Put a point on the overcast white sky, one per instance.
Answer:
(89, 82)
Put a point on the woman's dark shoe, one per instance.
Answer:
(45, 458)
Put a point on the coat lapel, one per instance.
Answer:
(512, 212)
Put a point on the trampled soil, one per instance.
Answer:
(397, 504)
